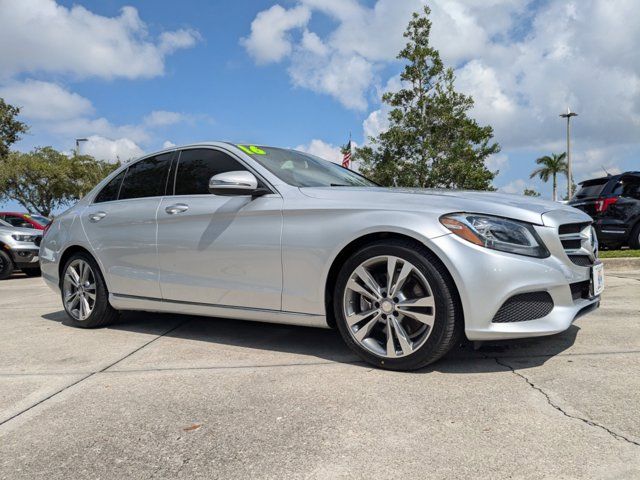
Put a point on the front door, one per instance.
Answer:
(218, 250)
(121, 227)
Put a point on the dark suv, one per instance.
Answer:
(614, 204)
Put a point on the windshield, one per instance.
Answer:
(305, 170)
(591, 189)
(44, 221)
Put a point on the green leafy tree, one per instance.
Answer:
(550, 167)
(431, 140)
(530, 192)
(10, 127)
(45, 179)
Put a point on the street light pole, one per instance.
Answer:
(568, 116)
(78, 140)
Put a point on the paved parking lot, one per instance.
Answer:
(165, 396)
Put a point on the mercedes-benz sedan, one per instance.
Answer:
(260, 233)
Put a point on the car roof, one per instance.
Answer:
(617, 176)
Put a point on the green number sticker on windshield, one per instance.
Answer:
(252, 150)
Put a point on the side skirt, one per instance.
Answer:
(131, 302)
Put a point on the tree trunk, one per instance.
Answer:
(555, 188)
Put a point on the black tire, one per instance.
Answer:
(103, 313)
(634, 240)
(32, 272)
(6, 265)
(448, 324)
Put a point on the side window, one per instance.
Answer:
(111, 189)
(197, 166)
(146, 178)
(632, 189)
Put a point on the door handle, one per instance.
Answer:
(96, 217)
(177, 208)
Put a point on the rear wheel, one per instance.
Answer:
(84, 293)
(395, 305)
(6, 265)
(634, 240)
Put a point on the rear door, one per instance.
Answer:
(121, 226)
(626, 210)
(218, 250)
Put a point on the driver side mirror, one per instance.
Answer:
(235, 183)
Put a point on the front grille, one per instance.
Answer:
(581, 260)
(523, 307)
(580, 290)
(572, 228)
(576, 239)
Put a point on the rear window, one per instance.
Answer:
(591, 189)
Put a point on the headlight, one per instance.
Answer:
(496, 233)
(23, 238)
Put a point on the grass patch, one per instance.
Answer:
(618, 253)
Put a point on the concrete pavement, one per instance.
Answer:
(166, 396)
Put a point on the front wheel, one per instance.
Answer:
(32, 272)
(84, 293)
(6, 265)
(395, 305)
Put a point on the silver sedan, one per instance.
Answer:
(269, 234)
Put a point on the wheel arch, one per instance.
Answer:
(359, 243)
(68, 253)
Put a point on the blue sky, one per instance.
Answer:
(133, 77)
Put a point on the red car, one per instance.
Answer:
(25, 220)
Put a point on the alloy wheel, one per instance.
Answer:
(389, 306)
(79, 290)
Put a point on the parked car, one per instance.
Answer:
(614, 204)
(25, 220)
(19, 250)
(260, 233)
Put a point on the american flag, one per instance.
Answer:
(346, 155)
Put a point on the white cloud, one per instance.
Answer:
(45, 101)
(498, 161)
(168, 144)
(269, 40)
(344, 77)
(163, 118)
(42, 36)
(523, 62)
(122, 149)
(322, 149)
(516, 187)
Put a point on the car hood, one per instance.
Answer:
(20, 231)
(439, 202)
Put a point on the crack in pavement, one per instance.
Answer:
(591, 423)
(94, 373)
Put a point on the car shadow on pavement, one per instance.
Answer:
(326, 344)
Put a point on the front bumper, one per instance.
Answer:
(486, 279)
(25, 257)
(611, 232)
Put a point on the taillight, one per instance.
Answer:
(603, 203)
(46, 228)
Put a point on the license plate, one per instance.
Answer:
(597, 279)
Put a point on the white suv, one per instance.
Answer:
(19, 250)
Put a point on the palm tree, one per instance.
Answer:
(551, 166)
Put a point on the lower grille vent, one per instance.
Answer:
(581, 260)
(580, 290)
(523, 307)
